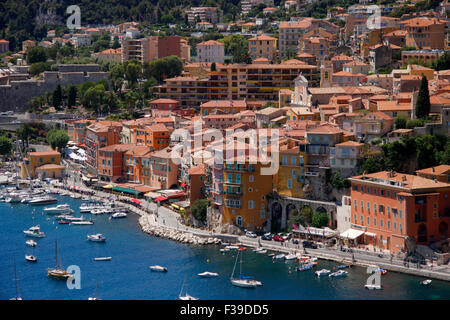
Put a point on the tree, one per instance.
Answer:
(132, 73)
(36, 54)
(39, 67)
(71, 96)
(411, 124)
(307, 213)
(24, 132)
(57, 139)
(423, 100)
(93, 97)
(116, 43)
(319, 219)
(5, 145)
(296, 218)
(199, 209)
(163, 68)
(57, 97)
(400, 123)
(213, 66)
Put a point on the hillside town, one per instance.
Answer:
(333, 129)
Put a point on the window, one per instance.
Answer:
(374, 191)
(356, 220)
(374, 222)
(395, 226)
(368, 206)
(250, 189)
(381, 192)
(400, 214)
(263, 214)
(294, 174)
(362, 204)
(289, 183)
(362, 220)
(284, 160)
(374, 207)
(293, 161)
(368, 221)
(388, 210)
(251, 204)
(389, 225)
(388, 193)
(381, 223)
(401, 229)
(355, 205)
(250, 179)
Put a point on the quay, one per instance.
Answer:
(150, 224)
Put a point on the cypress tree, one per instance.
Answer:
(57, 97)
(423, 100)
(72, 96)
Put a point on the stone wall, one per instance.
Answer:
(15, 95)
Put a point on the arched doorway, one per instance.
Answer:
(277, 211)
(307, 212)
(291, 212)
(443, 230)
(239, 221)
(422, 233)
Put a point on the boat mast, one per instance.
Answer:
(235, 262)
(16, 280)
(56, 254)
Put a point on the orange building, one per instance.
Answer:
(156, 136)
(245, 192)
(98, 135)
(158, 170)
(133, 162)
(111, 161)
(197, 176)
(425, 33)
(440, 173)
(263, 47)
(223, 106)
(388, 207)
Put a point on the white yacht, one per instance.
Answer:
(158, 268)
(42, 200)
(96, 237)
(118, 215)
(323, 272)
(187, 297)
(34, 231)
(82, 222)
(208, 274)
(30, 257)
(242, 281)
(280, 256)
(60, 208)
(337, 274)
(292, 256)
(31, 243)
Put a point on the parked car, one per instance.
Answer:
(278, 238)
(287, 236)
(267, 236)
(309, 244)
(250, 234)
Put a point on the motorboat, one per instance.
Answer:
(425, 282)
(102, 258)
(119, 215)
(261, 251)
(292, 256)
(71, 219)
(323, 272)
(34, 231)
(373, 286)
(344, 266)
(87, 208)
(31, 243)
(158, 268)
(224, 250)
(63, 222)
(280, 256)
(60, 208)
(42, 201)
(96, 237)
(187, 297)
(337, 274)
(98, 211)
(82, 223)
(208, 274)
(232, 247)
(13, 199)
(30, 258)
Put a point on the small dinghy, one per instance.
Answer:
(30, 257)
(158, 268)
(280, 256)
(338, 274)
(425, 282)
(31, 243)
(102, 259)
(208, 274)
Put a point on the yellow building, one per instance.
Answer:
(302, 113)
(418, 70)
(42, 165)
(263, 47)
(245, 192)
(291, 173)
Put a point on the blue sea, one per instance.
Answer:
(127, 275)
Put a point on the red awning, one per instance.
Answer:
(136, 201)
(160, 198)
(183, 185)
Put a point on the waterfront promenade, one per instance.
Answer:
(168, 220)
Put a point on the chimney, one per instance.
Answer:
(404, 178)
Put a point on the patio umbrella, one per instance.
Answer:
(136, 201)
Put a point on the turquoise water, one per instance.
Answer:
(127, 275)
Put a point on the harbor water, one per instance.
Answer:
(127, 275)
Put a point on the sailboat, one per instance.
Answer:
(242, 281)
(95, 294)
(58, 273)
(186, 295)
(16, 281)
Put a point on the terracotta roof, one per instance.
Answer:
(393, 106)
(438, 170)
(138, 151)
(50, 167)
(157, 127)
(263, 37)
(198, 170)
(224, 104)
(163, 101)
(412, 182)
(211, 43)
(44, 153)
(349, 144)
(117, 147)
